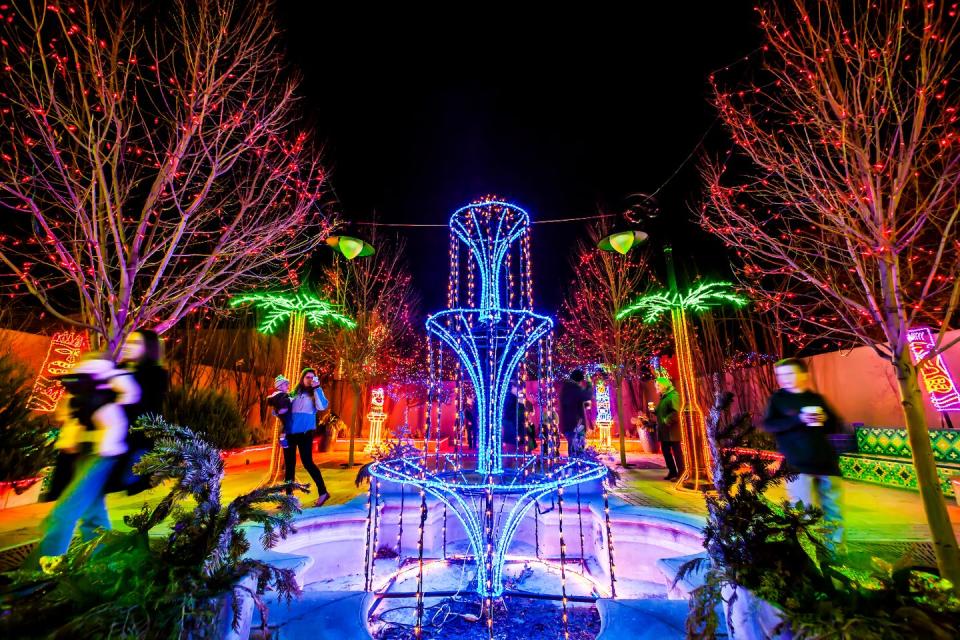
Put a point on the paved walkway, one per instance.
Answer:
(21, 525)
(875, 515)
(882, 520)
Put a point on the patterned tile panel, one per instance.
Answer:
(883, 441)
(894, 473)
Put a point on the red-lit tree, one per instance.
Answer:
(844, 201)
(149, 160)
(377, 292)
(605, 282)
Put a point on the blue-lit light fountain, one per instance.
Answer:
(492, 332)
(469, 518)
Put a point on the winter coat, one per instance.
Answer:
(669, 428)
(100, 427)
(805, 449)
(304, 408)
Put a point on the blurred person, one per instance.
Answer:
(800, 420)
(141, 356)
(91, 442)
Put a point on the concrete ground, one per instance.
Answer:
(244, 471)
(882, 520)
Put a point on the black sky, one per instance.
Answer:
(563, 112)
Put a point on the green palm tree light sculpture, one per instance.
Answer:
(296, 309)
(700, 298)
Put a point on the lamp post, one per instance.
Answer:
(350, 248)
(621, 242)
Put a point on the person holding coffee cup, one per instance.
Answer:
(799, 420)
(308, 399)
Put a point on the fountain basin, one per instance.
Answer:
(328, 554)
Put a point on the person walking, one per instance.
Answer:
(800, 420)
(91, 442)
(141, 356)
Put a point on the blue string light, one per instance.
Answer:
(513, 346)
(465, 498)
(490, 251)
(490, 341)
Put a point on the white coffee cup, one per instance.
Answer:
(815, 412)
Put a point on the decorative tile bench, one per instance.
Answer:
(884, 457)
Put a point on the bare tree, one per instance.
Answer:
(605, 283)
(150, 158)
(377, 292)
(844, 203)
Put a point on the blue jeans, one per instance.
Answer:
(82, 500)
(825, 492)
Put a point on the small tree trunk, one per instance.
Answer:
(618, 380)
(355, 422)
(941, 531)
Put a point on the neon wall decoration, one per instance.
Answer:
(884, 457)
(936, 377)
(894, 442)
(64, 351)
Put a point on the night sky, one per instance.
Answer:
(565, 113)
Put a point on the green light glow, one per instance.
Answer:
(622, 242)
(351, 247)
(279, 306)
(704, 296)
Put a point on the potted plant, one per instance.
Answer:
(26, 445)
(768, 567)
(193, 582)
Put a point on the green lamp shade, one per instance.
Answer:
(622, 242)
(350, 247)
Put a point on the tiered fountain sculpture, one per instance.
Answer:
(498, 341)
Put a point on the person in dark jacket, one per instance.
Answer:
(799, 420)
(575, 393)
(669, 427)
(513, 421)
(470, 420)
(94, 434)
(141, 356)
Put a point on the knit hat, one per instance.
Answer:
(279, 380)
(667, 382)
